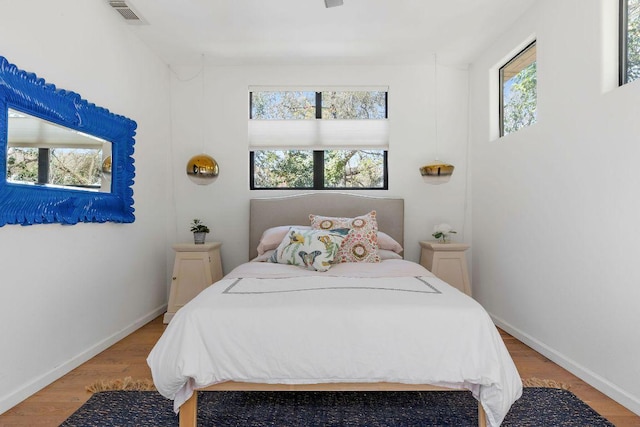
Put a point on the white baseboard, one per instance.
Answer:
(596, 381)
(9, 401)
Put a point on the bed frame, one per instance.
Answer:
(295, 210)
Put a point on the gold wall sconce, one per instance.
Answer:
(437, 172)
(202, 169)
(437, 169)
(106, 166)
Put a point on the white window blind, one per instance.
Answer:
(319, 134)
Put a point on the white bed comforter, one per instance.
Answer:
(387, 322)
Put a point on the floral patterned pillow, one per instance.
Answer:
(312, 249)
(361, 244)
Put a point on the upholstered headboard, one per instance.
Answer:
(294, 210)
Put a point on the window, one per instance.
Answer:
(629, 40)
(518, 91)
(331, 139)
(71, 167)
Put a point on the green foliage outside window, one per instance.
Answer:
(68, 167)
(342, 169)
(520, 102)
(22, 164)
(353, 168)
(354, 105)
(287, 105)
(283, 168)
(76, 167)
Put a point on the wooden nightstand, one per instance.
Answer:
(195, 268)
(448, 262)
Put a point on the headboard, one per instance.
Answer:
(294, 210)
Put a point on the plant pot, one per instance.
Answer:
(198, 238)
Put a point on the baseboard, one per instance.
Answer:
(9, 401)
(596, 381)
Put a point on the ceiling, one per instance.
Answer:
(306, 32)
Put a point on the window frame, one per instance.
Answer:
(318, 156)
(501, 84)
(623, 27)
(318, 174)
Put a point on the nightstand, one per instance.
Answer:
(195, 268)
(448, 262)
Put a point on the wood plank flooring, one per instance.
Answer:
(53, 404)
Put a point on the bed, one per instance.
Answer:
(388, 325)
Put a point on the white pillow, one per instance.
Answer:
(272, 237)
(312, 249)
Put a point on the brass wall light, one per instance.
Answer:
(437, 169)
(202, 169)
(106, 166)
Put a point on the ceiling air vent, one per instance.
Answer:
(130, 15)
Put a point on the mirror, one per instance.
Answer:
(43, 153)
(62, 159)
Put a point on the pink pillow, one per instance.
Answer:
(361, 244)
(388, 243)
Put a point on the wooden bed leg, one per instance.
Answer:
(189, 411)
(482, 416)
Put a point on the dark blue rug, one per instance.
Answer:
(542, 407)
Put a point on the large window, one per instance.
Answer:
(629, 40)
(518, 91)
(331, 139)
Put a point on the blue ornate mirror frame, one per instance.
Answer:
(41, 204)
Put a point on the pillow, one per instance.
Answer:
(264, 257)
(384, 254)
(272, 237)
(361, 244)
(312, 249)
(387, 254)
(388, 243)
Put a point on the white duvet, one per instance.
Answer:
(387, 322)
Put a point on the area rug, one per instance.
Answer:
(538, 406)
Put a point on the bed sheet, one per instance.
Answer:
(387, 322)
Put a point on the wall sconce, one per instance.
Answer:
(437, 169)
(106, 166)
(437, 172)
(202, 169)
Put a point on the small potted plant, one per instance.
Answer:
(199, 230)
(442, 231)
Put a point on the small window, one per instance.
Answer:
(518, 91)
(318, 139)
(629, 40)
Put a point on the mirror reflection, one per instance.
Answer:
(43, 153)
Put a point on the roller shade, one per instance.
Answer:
(318, 134)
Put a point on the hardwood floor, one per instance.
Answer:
(53, 404)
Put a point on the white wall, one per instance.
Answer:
(555, 206)
(68, 292)
(224, 204)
